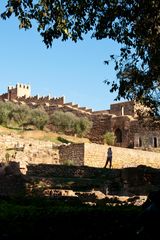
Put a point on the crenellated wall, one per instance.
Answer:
(123, 108)
(121, 118)
(41, 100)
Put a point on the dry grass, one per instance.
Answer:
(42, 135)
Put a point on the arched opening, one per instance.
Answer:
(118, 134)
(155, 142)
(140, 142)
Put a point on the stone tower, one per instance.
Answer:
(20, 90)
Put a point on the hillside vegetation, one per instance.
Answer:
(44, 135)
(24, 117)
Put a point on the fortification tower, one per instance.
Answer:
(20, 90)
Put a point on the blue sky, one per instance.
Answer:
(73, 70)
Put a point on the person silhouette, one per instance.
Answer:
(109, 158)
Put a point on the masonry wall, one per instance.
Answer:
(12, 93)
(119, 119)
(72, 154)
(101, 124)
(124, 108)
(4, 96)
(122, 124)
(41, 100)
(23, 90)
(94, 155)
(35, 151)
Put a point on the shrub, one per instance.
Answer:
(64, 121)
(39, 118)
(82, 126)
(21, 115)
(5, 109)
(68, 122)
(109, 138)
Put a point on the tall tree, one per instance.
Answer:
(135, 24)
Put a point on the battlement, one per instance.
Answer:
(20, 90)
(121, 118)
(123, 108)
(21, 93)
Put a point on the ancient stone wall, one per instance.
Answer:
(101, 124)
(72, 154)
(68, 108)
(122, 182)
(120, 125)
(19, 90)
(124, 108)
(121, 119)
(12, 93)
(35, 151)
(23, 90)
(4, 96)
(92, 154)
(36, 100)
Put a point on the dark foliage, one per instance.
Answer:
(134, 24)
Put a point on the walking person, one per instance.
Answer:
(109, 158)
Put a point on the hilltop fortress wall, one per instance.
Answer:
(121, 118)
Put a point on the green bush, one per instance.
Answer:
(5, 109)
(39, 118)
(64, 121)
(109, 138)
(82, 126)
(21, 115)
(68, 122)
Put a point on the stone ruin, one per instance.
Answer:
(121, 118)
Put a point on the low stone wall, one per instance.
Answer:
(123, 182)
(124, 157)
(45, 178)
(35, 151)
(94, 155)
(72, 154)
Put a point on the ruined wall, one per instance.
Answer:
(4, 96)
(120, 119)
(40, 101)
(124, 108)
(72, 154)
(120, 125)
(145, 135)
(35, 151)
(123, 182)
(12, 93)
(68, 108)
(92, 154)
(149, 139)
(101, 124)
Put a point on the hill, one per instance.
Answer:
(44, 135)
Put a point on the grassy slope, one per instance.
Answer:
(42, 135)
